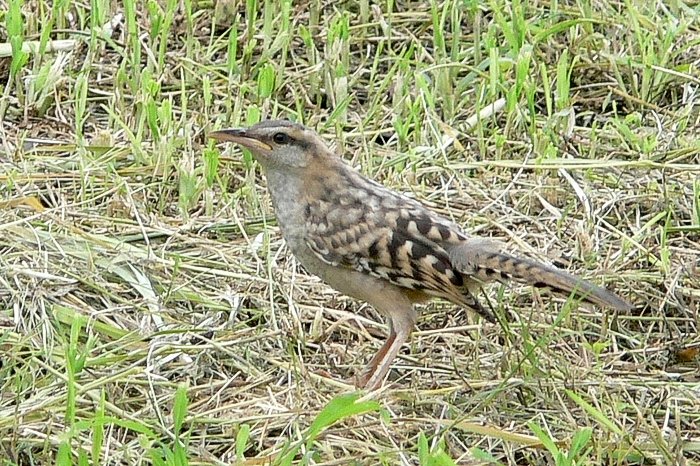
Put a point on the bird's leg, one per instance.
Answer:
(401, 326)
(371, 367)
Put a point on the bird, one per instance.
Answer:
(379, 246)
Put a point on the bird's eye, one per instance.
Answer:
(280, 138)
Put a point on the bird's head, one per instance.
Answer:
(277, 144)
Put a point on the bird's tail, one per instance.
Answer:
(483, 260)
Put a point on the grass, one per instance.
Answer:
(151, 313)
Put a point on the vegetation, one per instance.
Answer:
(152, 315)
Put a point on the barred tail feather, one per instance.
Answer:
(481, 260)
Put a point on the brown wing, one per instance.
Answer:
(375, 231)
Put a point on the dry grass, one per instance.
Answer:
(136, 258)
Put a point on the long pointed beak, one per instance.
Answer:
(242, 137)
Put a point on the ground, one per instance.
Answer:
(151, 313)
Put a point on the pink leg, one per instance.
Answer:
(371, 367)
(396, 304)
(401, 326)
